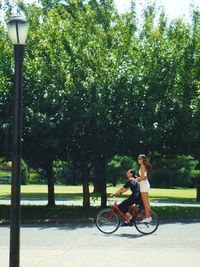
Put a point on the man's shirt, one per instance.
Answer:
(134, 187)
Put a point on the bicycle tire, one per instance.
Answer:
(103, 224)
(146, 228)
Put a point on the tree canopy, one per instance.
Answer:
(97, 84)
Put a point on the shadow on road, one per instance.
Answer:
(67, 226)
(129, 235)
(180, 221)
(74, 226)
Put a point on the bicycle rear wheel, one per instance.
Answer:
(107, 221)
(146, 228)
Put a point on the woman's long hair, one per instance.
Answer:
(133, 173)
(146, 162)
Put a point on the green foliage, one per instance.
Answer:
(67, 173)
(6, 168)
(6, 79)
(175, 172)
(117, 168)
(24, 172)
(44, 213)
(72, 214)
(36, 177)
(177, 212)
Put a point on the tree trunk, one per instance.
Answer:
(97, 176)
(100, 179)
(103, 193)
(49, 175)
(86, 192)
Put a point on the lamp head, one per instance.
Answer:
(18, 30)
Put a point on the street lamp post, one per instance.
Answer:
(17, 31)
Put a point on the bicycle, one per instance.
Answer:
(108, 221)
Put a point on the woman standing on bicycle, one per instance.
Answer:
(145, 168)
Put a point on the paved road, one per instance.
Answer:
(173, 245)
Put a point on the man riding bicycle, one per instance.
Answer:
(134, 198)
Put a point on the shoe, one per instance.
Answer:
(127, 224)
(146, 220)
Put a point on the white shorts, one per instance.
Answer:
(144, 186)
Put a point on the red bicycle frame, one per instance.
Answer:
(135, 210)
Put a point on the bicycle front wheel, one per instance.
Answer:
(107, 221)
(146, 228)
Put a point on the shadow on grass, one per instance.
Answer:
(171, 199)
(58, 196)
(79, 196)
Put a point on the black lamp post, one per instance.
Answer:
(17, 31)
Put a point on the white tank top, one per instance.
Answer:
(145, 173)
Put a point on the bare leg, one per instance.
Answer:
(145, 199)
(128, 215)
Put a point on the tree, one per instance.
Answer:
(43, 86)
(98, 85)
(6, 89)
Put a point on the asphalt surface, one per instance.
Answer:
(82, 245)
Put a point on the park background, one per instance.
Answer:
(99, 89)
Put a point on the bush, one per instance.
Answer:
(72, 214)
(36, 177)
(175, 172)
(6, 166)
(24, 172)
(67, 173)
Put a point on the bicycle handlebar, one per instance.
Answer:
(111, 199)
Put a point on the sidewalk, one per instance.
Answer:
(68, 202)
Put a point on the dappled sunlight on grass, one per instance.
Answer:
(75, 192)
(178, 194)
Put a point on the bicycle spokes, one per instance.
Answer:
(146, 228)
(107, 221)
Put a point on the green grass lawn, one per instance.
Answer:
(75, 192)
(5, 173)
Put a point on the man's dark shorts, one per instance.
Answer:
(123, 206)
